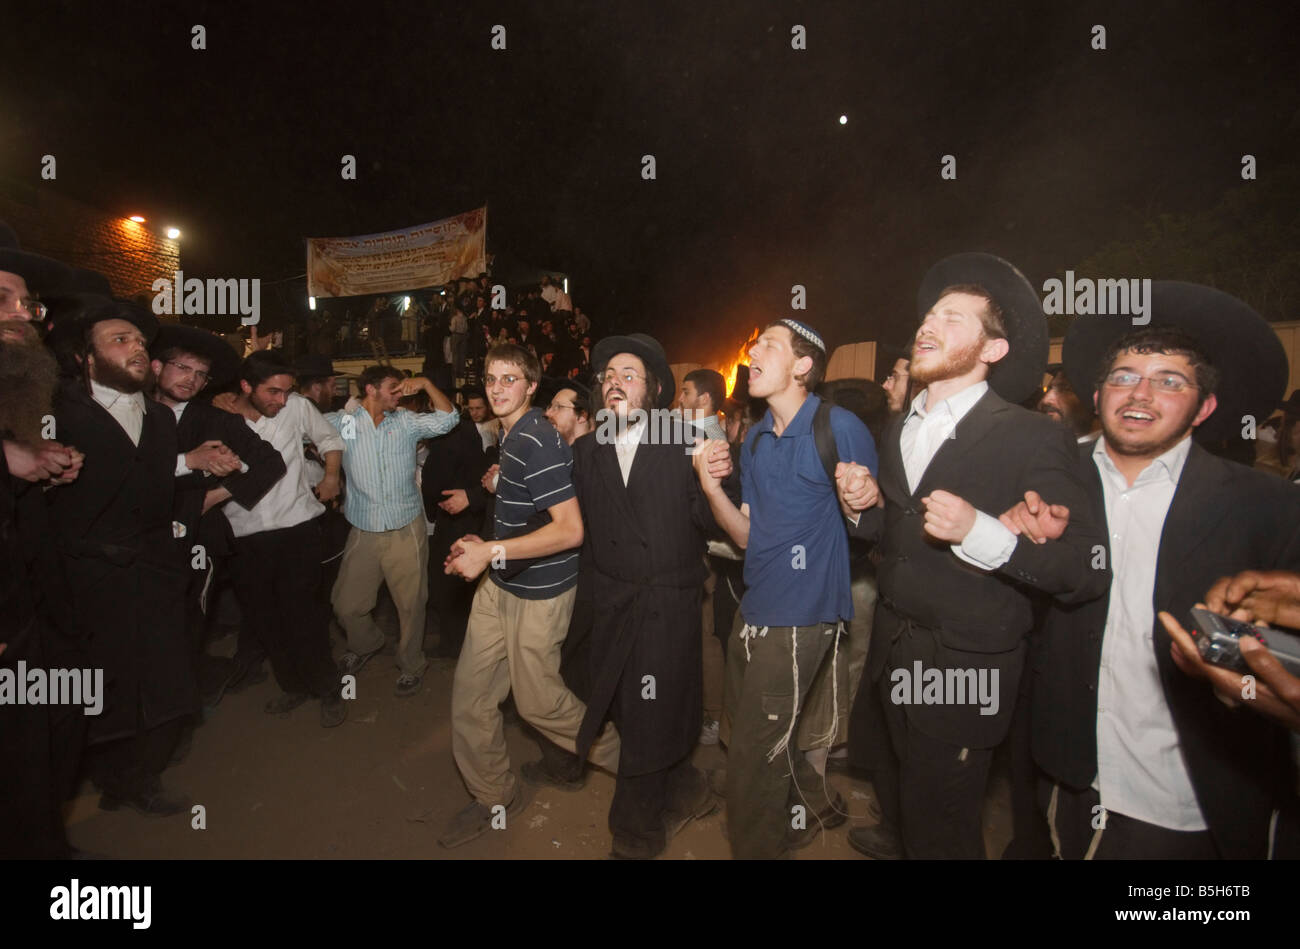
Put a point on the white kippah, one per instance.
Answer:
(806, 331)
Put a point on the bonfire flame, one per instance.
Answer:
(730, 370)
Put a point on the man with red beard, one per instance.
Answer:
(40, 745)
(114, 528)
(956, 584)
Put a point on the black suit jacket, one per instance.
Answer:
(1224, 518)
(201, 422)
(113, 526)
(642, 579)
(963, 617)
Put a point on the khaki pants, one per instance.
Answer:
(399, 558)
(514, 644)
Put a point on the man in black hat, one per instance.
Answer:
(1143, 759)
(950, 633)
(114, 527)
(40, 745)
(646, 524)
(220, 460)
(1061, 404)
(316, 375)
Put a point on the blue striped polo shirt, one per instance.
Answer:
(536, 474)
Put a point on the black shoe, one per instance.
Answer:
(245, 675)
(705, 803)
(333, 710)
(284, 703)
(539, 776)
(880, 842)
(215, 675)
(154, 802)
(832, 815)
(635, 848)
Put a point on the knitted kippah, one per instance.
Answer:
(806, 331)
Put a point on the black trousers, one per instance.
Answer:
(450, 595)
(930, 790)
(125, 767)
(1030, 837)
(643, 803)
(1077, 818)
(276, 576)
(728, 588)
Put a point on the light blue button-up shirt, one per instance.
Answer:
(379, 463)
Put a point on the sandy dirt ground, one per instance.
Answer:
(384, 784)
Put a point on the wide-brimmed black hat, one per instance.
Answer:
(1239, 342)
(41, 274)
(648, 350)
(316, 366)
(224, 361)
(1018, 374)
(73, 313)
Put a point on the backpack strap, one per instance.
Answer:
(825, 439)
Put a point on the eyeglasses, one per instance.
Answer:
(198, 374)
(1163, 382)
(35, 307)
(507, 381)
(626, 376)
(563, 405)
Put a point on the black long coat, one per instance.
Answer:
(40, 745)
(114, 528)
(644, 579)
(971, 619)
(1224, 518)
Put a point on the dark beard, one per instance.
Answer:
(115, 377)
(28, 376)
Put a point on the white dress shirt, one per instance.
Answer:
(1140, 767)
(989, 543)
(489, 432)
(126, 407)
(625, 445)
(290, 500)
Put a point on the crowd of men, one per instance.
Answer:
(902, 580)
(455, 325)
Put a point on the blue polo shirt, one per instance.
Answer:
(797, 561)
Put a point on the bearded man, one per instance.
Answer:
(955, 583)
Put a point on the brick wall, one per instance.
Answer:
(132, 256)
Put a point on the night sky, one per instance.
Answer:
(759, 187)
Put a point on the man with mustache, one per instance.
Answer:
(646, 524)
(1142, 759)
(114, 525)
(1063, 406)
(40, 745)
(955, 583)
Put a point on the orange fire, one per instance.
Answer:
(730, 370)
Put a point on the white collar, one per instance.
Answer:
(957, 405)
(1169, 465)
(108, 396)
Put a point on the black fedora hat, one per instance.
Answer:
(74, 313)
(1239, 342)
(317, 366)
(648, 350)
(224, 361)
(41, 274)
(1018, 374)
